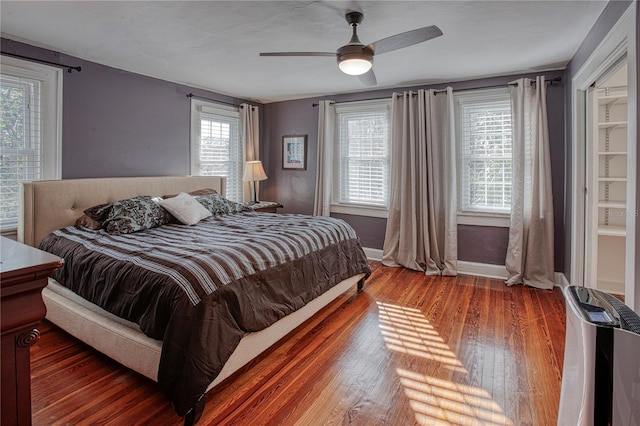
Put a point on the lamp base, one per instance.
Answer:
(254, 195)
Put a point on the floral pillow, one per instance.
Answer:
(218, 205)
(135, 214)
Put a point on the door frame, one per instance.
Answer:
(619, 41)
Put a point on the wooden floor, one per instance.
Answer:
(408, 350)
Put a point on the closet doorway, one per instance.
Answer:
(607, 164)
(604, 161)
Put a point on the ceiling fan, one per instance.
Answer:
(356, 59)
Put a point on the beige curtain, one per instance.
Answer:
(326, 134)
(421, 229)
(250, 128)
(530, 251)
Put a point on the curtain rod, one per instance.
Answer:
(68, 67)
(533, 83)
(550, 81)
(191, 95)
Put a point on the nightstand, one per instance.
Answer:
(24, 272)
(265, 206)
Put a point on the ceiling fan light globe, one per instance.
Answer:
(355, 63)
(355, 66)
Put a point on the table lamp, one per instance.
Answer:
(253, 172)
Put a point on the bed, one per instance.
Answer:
(50, 210)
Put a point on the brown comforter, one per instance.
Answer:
(200, 288)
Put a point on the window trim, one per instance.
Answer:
(51, 114)
(373, 105)
(470, 217)
(359, 210)
(498, 220)
(199, 106)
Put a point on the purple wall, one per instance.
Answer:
(295, 189)
(610, 15)
(117, 123)
(492, 242)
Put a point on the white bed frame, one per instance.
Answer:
(50, 205)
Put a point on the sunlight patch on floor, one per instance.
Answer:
(433, 399)
(409, 332)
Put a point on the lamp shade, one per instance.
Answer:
(253, 171)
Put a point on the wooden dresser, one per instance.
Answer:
(23, 274)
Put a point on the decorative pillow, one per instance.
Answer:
(135, 214)
(88, 222)
(218, 205)
(204, 191)
(185, 208)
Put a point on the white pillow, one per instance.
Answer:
(185, 208)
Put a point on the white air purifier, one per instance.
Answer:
(601, 374)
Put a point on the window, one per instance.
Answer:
(30, 131)
(484, 152)
(216, 145)
(362, 154)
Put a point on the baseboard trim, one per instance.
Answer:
(561, 280)
(373, 254)
(485, 270)
(499, 272)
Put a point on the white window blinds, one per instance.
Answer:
(20, 143)
(485, 152)
(363, 175)
(30, 130)
(217, 147)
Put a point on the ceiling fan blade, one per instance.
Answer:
(298, 54)
(368, 78)
(405, 39)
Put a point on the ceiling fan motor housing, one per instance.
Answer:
(354, 51)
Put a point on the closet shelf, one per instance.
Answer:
(612, 124)
(612, 99)
(612, 230)
(612, 153)
(612, 179)
(612, 204)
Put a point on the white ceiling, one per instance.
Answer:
(215, 44)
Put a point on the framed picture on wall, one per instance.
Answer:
(294, 152)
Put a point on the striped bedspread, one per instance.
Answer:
(201, 258)
(200, 288)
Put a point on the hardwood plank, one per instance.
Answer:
(410, 349)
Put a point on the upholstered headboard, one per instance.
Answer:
(50, 205)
